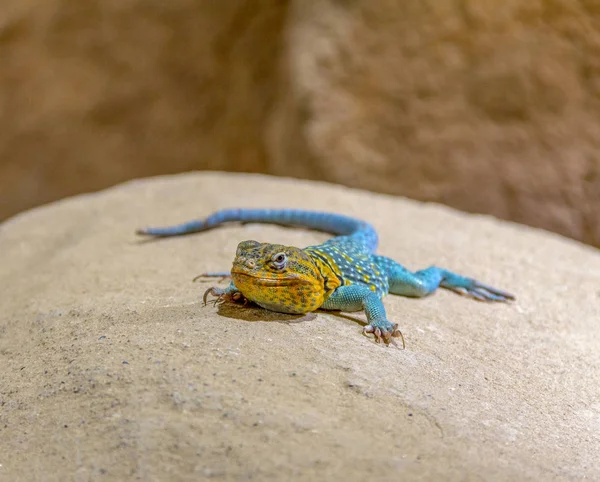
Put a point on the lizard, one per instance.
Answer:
(342, 274)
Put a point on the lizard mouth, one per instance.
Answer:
(272, 282)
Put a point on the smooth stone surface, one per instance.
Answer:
(113, 370)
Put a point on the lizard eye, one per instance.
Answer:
(279, 260)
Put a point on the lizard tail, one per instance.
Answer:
(336, 224)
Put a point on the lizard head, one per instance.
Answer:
(278, 278)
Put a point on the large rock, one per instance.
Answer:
(490, 107)
(112, 369)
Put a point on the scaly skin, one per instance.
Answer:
(279, 278)
(341, 274)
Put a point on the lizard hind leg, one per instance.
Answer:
(473, 288)
(426, 281)
(213, 274)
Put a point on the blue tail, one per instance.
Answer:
(336, 224)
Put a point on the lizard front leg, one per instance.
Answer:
(231, 293)
(358, 298)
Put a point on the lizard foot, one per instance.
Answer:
(479, 291)
(218, 274)
(385, 332)
(223, 295)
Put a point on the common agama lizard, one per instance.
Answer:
(343, 273)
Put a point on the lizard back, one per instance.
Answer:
(343, 261)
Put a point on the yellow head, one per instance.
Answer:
(279, 278)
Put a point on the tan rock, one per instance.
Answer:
(110, 365)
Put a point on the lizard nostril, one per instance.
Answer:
(250, 263)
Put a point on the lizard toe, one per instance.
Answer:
(385, 333)
(222, 295)
(223, 275)
(479, 291)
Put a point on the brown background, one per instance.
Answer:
(487, 106)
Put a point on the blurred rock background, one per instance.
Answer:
(489, 107)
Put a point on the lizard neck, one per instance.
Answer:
(329, 270)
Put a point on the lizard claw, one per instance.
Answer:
(223, 295)
(385, 334)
